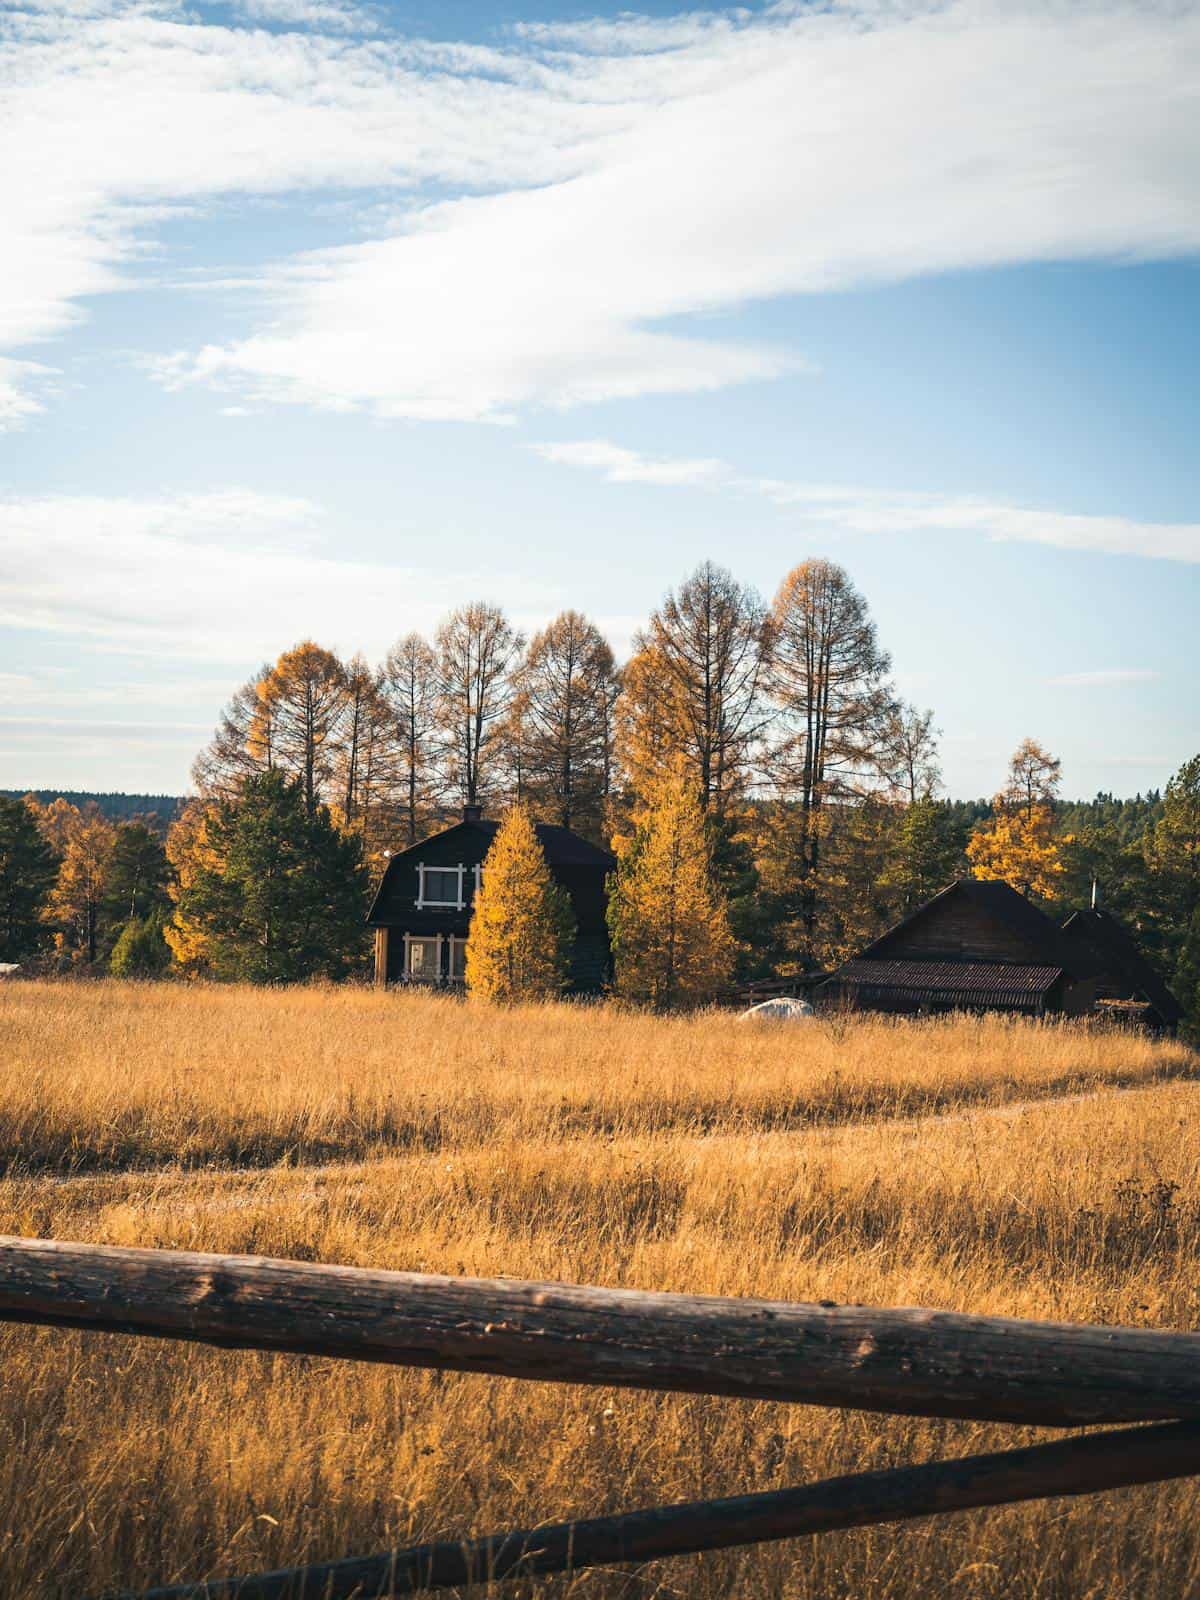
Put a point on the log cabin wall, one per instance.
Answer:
(957, 930)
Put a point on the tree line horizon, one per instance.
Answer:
(819, 787)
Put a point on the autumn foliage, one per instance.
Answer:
(670, 931)
(522, 927)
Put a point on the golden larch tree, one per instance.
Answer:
(1017, 843)
(522, 927)
(670, 930)
(190, 853)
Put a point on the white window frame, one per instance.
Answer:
(423, 900)
(435, 939)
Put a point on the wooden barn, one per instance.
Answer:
(976, 946)
(1127, 987)
(422, 910)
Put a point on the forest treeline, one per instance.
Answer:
(819, 788)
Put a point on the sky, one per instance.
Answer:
(321, 317)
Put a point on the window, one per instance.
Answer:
(423, 958)
(440, 886)
(458, 958)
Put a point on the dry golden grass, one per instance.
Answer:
(920, 1164)
(105, 1077)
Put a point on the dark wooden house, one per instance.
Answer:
(422, 911)
(976, 946)
(1127, 987)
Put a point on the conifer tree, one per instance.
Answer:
(670, 931)
(28, 868)
(189, 853)
(280, 896)
(1017, 844)
(522, 926)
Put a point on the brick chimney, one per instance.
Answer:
(472, 814)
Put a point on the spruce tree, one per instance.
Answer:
(28, 868)
(280, 894)
(670, 930)
(522, 927)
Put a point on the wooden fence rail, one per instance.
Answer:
(910, 1362)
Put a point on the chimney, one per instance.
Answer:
(1095, 894)
(472, 814)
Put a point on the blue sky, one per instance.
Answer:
(319, 317)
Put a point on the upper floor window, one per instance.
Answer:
(446, 888)
(440, 886)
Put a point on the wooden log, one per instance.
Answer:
(1067, 1467)
(922, 1363)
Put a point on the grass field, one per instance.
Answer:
(980, 1165)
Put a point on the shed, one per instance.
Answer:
(976, 946)
(1127, 988)
(421, 913)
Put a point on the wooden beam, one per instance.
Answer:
(920, 1363)
(1067, 1467)
(381, 957)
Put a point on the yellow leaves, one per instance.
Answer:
(1018, 847)
(189, 852)
(521, 929)
(670, 931)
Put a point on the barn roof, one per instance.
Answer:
(1120, 960)
(563, 849)
(1045, 943)
(950, 983)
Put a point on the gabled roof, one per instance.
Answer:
(561, 847)
(1047, 944)
(1120, 959)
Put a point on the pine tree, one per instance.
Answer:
(1186, 982)
(670, 931)
(28, 869)
(281, 896)
(522, 927)
(926, 853)
(141, 951)
(137, 878)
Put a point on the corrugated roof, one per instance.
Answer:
(950, 982)
(1044, 940)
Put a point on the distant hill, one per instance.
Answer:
(119, 807)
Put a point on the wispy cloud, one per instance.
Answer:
(880, 511)
(620, 465)
(604, 178)
(1104, 677)
(229, 576)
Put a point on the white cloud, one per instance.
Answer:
(620, 465)
(879, 511)
(609, 178)
(795, 154)
(21, 383)
(325, 15)
(232, 576)
(1103, 678)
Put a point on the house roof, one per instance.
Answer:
(1046, 944)
(965, 983)
(1120, 959)
(562, 848)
